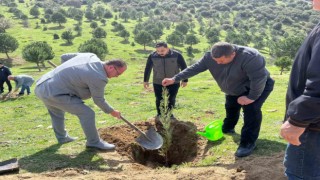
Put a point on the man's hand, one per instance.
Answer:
(167, 81)
(291, 133)
(146, 85)
(184, 84)
(116, 114)
(244, 100)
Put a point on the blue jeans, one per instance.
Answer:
(23, 88)
(303, 162)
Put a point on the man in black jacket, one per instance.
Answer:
(165, 63)
(302, 126)
(240, 72)
(4, 73)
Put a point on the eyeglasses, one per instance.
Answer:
(117, 71)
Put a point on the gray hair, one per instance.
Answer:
(119, 63)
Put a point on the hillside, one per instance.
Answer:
(129, 29)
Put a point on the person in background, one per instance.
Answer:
(241, 74)
(165, 62)
(22, 81)
(4, 73)
(301, 128)
(63, 90)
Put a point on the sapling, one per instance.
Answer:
(165, 119)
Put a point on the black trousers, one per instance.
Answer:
(252, 114)
(7, 82)
(173, 91)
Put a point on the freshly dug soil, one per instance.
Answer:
(183, 147)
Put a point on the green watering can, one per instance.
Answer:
(213, 131)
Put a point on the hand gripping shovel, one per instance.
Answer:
(150, 140)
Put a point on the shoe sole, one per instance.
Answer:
(93, 147)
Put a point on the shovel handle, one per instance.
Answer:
(132, 126)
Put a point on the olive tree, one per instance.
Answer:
(143, 38)
(8, 43)
(96, 46)
(38, 52)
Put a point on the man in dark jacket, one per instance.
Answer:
(165, 63)
(302, 126)
(4, 73)
(240, 72)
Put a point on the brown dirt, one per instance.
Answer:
(122, 164)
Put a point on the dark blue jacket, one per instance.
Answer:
(4, 73)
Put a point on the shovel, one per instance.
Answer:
(150, 140)
(9, 166)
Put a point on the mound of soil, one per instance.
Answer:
(184, 144)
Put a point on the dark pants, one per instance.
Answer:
(173, 91)
(252, 114)
(8, 83)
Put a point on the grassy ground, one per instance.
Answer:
(25, 128)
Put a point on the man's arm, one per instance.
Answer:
(147, 72)
(97, 88)
(257, 74)
(8, 71)
(193, 70)
(182, 64)
(305, 109)
(19, 82)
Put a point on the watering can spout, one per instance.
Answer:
(202, 133)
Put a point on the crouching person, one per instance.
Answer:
(63, 90)
(22, 81)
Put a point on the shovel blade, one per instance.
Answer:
(9, 166)
(150, 140)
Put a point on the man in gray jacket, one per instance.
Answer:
(22, 81)
(64, 89)
(240, 72)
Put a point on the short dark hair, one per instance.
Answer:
(119, 63)
(161, 44)
(220, 49)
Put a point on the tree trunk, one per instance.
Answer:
(7, 55)
(38, 66)
(43, 65)
(144, 46)
(281, 71)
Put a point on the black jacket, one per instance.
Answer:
(4, 73)
(164, 67)
(303, 95)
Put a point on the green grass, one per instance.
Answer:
(26, 133)
(25, 130)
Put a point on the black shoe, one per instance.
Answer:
(172, 117)
(228, 131)
(245, 150)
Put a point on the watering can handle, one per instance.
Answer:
(131, 125)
